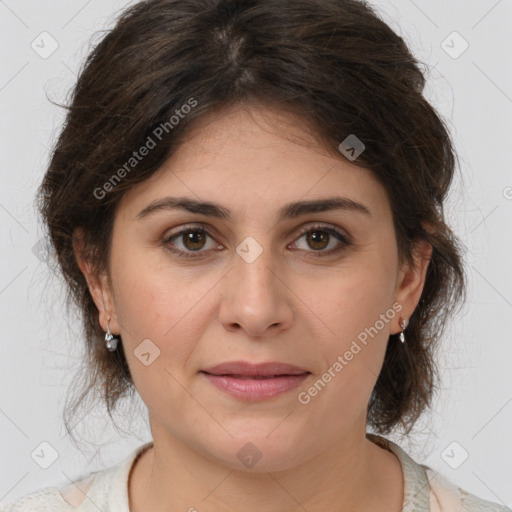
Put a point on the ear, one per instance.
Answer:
(411, 280)
(97, 283)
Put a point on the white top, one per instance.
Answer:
(425, 490)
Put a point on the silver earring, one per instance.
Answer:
(110, 340)
(403, 325)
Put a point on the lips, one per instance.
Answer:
(255, 382)
(243, 369)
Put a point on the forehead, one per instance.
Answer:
(259, 158)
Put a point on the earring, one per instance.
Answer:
(111, 341)
(403, 324)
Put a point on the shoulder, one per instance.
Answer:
(444, 495)
(106, 488)
(427, 490)
(53, 498)
(42, 500)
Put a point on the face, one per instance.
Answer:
(254, 280)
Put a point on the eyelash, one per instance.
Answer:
(197, 254)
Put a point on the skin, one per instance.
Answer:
(288, 305)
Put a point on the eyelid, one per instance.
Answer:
(191, 227)
(329, 228)
(341, 235)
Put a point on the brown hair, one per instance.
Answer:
(337, 65)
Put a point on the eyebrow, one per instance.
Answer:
(289, 211)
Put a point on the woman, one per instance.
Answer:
(246, 202)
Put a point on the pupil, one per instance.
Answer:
(318, 236)
(195, 239)
(192, 238)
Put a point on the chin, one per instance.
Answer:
(259, 452)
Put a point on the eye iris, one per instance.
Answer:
(318, 236)
(192, 237)
(195, 240)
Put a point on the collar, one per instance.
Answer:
(416, 484)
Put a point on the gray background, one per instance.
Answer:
(40, 347)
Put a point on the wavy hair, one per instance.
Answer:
(334, 63)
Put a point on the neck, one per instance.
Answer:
(352, 475)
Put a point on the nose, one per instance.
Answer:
(256, 297)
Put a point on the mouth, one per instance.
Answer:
(250, 377)
(255, 382)
(246, 369)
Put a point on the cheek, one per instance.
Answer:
(356, 314)
(150, 299)
(156, 317)
(161, 305)
(140, 302)
(351, 302)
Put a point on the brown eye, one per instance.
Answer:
(194, 240)
(189, 243)
(319, 237)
